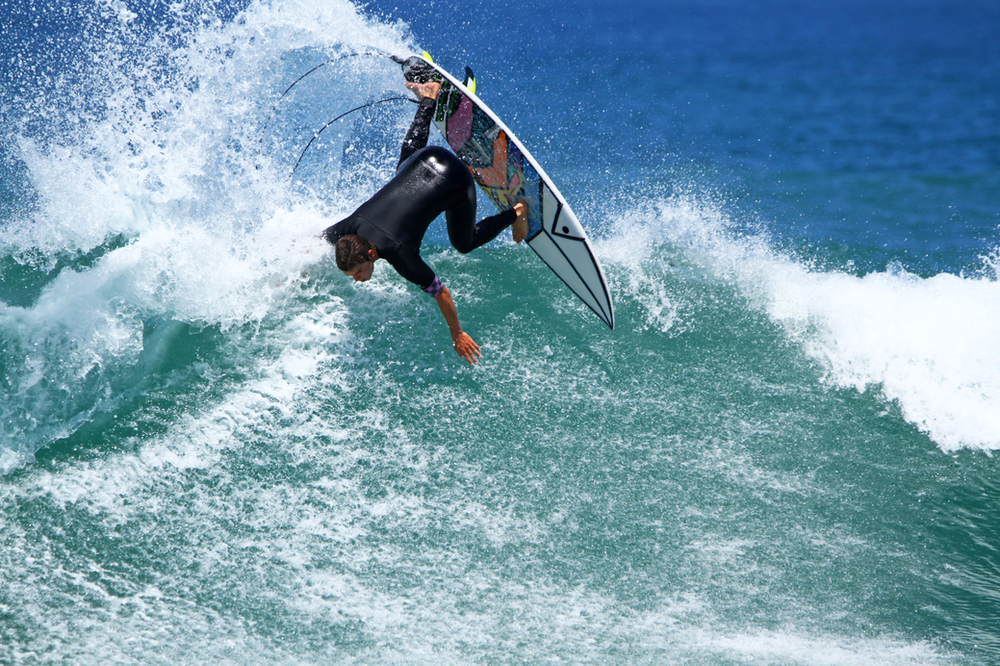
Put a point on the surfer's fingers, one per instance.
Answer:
(519, 228)
(519, 231)
(467, 348)
(471, 356)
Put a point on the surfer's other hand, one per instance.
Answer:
(467, 348)
(519, 230)
(425, 90)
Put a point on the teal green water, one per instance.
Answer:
(216, 449)
(320, 489)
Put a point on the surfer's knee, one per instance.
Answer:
(461, 232)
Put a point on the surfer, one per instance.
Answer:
(391, 225)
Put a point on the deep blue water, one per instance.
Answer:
(215, 449)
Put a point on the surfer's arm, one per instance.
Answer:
(420, 129)
(464, 344)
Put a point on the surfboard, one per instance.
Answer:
(507, 173)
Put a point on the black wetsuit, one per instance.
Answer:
(428, 182)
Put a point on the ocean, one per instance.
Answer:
(216, 449)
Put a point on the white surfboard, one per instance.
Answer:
(507, 172)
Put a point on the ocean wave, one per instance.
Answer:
(924, 343)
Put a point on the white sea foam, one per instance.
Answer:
(810, 650)
(928, 344)
(274, 533)
(171, 178)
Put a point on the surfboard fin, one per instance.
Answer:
(470, 80)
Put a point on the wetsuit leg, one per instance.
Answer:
(465, 235)
(460, 214)
(420, 130)
(460, 208)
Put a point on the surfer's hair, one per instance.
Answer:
(351, 251)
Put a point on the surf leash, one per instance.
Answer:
(415, 70)
(373, 52)
(399, 98)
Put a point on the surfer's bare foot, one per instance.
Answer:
(423, 90)
(519, 230)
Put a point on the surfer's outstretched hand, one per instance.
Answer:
(519, 230)
(467, 348)
(464, 344)
(423, 90)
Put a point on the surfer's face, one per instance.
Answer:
(362, 272)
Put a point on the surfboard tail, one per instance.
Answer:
(567, 252)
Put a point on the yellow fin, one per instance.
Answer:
(470, 80)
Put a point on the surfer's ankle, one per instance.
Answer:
(519, 229)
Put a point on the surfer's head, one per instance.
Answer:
(355, 256)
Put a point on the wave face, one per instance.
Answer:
(215, 448)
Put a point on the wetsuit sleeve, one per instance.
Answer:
(420, 130)
(333, 233)
(435, 287)
(411, 266)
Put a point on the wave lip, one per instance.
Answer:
(150, 189)
(928, 344)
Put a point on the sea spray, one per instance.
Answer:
(174, 185)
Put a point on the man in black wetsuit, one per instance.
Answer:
(391, 225)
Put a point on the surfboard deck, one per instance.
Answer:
(507, 173)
